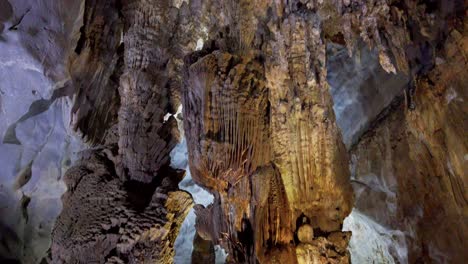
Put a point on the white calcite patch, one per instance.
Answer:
(220, 255)
(199, 44)
(373, 243)
(451, 95)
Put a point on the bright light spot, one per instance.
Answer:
(199, 44)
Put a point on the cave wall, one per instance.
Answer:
(409, 171)
(264, 129)
(258, 112)
(361, 88)
(37, 144)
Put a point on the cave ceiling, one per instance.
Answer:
(233, 131)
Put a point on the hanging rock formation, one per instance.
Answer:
(260, 127)
(262, 137)
(145, 141)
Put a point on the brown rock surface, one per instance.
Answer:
(95, 68)
(145, 141)
(410, 170)
(261, 131)
(106, 220)
(262, 136)
(125, 208)
(305, 233)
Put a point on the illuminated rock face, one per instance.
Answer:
(37, 145)
(264, 141)
(360, 88)
(281, 101)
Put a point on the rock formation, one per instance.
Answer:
(95, 67)
(412, 164)
(262, 137)
(107, 220)
(286, 156)
(145, 141)
(135, 206)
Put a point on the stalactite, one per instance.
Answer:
(261, 131)
(261, 135)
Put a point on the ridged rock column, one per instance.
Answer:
(306, 143)
(145, 139)
(262, 138)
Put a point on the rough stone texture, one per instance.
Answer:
(145, 140)
(409, 172)
(227, 120)
(95, 68)
(156, 34)
(260, 126)
(306, 143)
(135, 208)
(262, 135)
(203, 251)
(106, 220)
(325, 250)
(35, 42)
(360, 88)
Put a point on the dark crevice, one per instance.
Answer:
(16, 25)
(139, 194)
(82, 40)
(321, 233)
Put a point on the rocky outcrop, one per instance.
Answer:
(156, 37)
(135, 208)
(107, 220)
(145, 141)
